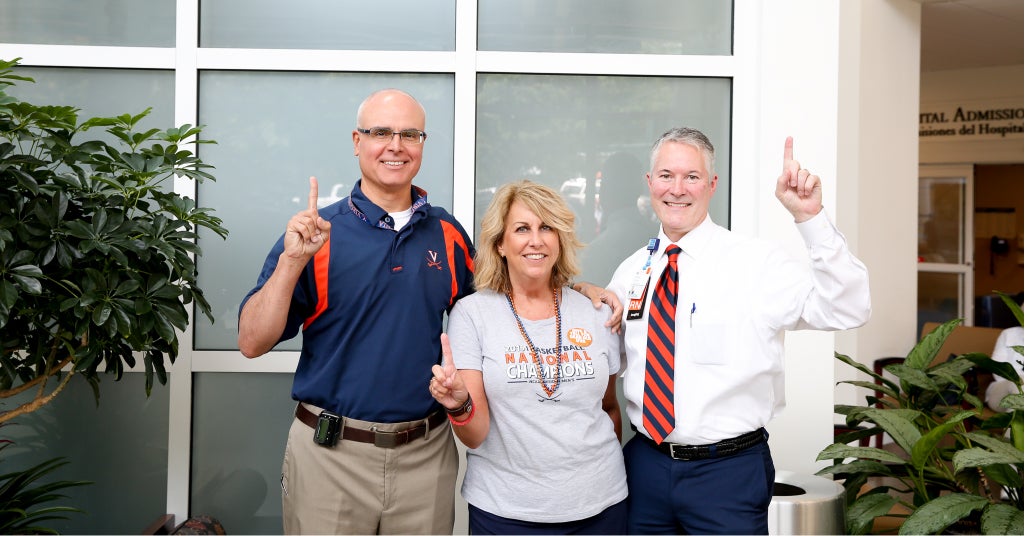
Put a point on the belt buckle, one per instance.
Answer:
(385, 440)
(672, 452)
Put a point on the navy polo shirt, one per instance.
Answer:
(371, 305)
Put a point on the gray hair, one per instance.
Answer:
(689, 136)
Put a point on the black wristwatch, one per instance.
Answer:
(461, 410)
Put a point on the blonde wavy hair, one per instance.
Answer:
(490, 269)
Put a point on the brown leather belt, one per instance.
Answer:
(722, 449)
(388, 440)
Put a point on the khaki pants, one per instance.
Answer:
(358, 488)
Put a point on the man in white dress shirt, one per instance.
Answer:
(712, 472)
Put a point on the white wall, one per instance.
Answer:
(879, 146)
(798, 97)
(842, 78)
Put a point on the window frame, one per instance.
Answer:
(187, 60)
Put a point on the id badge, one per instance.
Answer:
(638, 294)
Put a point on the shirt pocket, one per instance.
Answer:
(709, 344)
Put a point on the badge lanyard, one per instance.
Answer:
(638, 294)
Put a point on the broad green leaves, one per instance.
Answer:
(22, 493)
(948, 451)
(97, 256)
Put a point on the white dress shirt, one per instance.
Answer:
(737, 297)
(1004, 351)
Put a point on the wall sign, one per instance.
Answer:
(990, 119)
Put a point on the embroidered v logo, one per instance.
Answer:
(432, 260)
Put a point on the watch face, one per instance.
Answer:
(465, 408)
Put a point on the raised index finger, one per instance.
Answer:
(788, 152)
(446, 354)
(313, 195)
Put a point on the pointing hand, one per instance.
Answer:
(307, 232)
(446, 385)
(798, 190)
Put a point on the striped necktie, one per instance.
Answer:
(659, 415)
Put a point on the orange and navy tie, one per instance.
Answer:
(659, 415)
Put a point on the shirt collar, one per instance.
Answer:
(693, 243)
(373, 215)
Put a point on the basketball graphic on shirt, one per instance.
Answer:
(580, 337)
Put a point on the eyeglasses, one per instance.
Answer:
(411, 136)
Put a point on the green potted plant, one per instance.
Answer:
(97, 252)
(946, 457)
(22, 491)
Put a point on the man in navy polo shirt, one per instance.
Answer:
(369, 280)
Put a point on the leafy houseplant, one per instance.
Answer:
(96, 249)
(950, 457)
(21, 491)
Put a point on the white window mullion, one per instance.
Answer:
(186, 105)
(89, 56)
(746, 50)
(464, 137)
(325, 60)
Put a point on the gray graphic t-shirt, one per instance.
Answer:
(546, 459)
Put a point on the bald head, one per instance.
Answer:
(387, 98)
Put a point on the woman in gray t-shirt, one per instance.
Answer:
(530, 368)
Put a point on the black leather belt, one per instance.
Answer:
(388, 440)
(721, 449)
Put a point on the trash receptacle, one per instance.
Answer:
(806, 504)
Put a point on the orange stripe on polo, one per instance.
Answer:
(320, 266)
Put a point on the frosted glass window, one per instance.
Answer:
(88, 22)
(275, 130)
(328, 24)
(576, 132)
(101, 93)
(700, 27)
(120, 446)
(236, 456)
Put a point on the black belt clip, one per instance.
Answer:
(327, 430)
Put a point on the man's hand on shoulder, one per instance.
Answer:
(600, 296)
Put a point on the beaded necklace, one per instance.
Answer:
(534, 353)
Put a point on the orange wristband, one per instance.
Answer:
(473, 409)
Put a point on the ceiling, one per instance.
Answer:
(965, 34)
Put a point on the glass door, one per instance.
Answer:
(945, 254)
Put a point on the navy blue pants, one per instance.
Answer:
(612, 520)
(715, 496)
